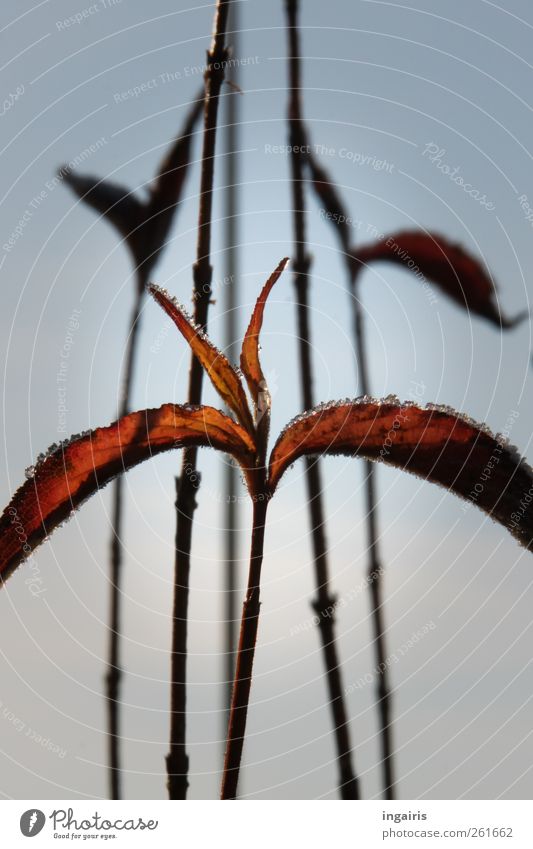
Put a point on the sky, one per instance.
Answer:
(393, 93)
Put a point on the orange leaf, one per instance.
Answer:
(250, 364)
(452, 269)
(222, 374)
(435, 443)
(75, 471)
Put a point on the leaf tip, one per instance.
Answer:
(510, 323)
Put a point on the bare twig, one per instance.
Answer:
(189, 480)
(245, 656)
(348, 783)
(231, 475)
(114, 674)
(144, 225)
(375, 569)
(332, 202)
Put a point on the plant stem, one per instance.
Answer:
(245, 656)
(230, 610)
(187, 484)
(330, 198)
(375, 569)
(114, 673)
(231, 475)
(348, 783)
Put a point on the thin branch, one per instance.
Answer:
(188, 482)
(375, 570)
(231, 474)
(114, 673)
(245, 656)
(348, 783)
(144, 225)
(332, 202)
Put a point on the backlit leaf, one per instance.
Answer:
(115, 202)
(250, 363)
(144, 225)
(456, 272)
(76, 470)
(222, 374)
(436, 444)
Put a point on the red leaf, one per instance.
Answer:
(438, 445)
(452, 269)
(223, 376)
(76, 471)
(250, 364)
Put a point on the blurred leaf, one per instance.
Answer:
(436, 444)
(144, 225)
(329, 196)
(461, 276)
(111, 200)
(222, 374)
(73, 472)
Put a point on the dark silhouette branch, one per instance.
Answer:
(348, 783)
(144, 226)
(189, 481)
(231, 474)
(114, 673)
(245, 656)
(329, 196)
(374, 570)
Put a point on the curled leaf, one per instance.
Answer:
(250, 363)
(456, 272)
(73, 472)
(222, 374)
(436, 444)
(143, 224)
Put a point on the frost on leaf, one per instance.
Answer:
(78, 468)
(250, 363)
(457, 273)
(438, 445)
(222, 374)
